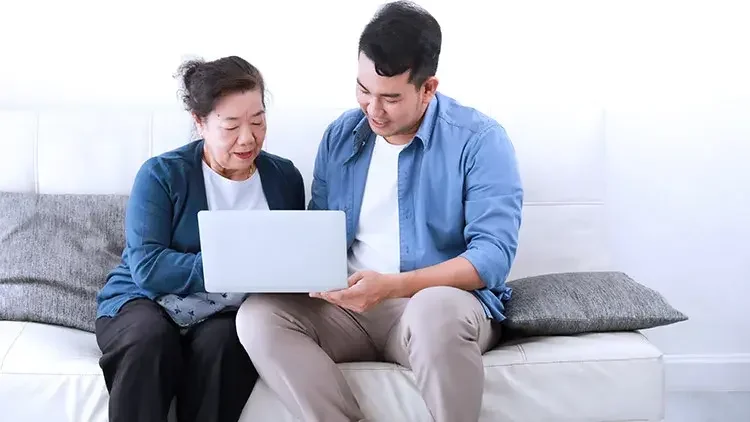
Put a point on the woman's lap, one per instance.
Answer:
(143, 321)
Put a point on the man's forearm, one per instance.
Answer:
(457, 272)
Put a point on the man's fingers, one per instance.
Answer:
(354, 278)
(338, 302)
(324, 296)
(320, 295)
(345, 298)
(337, 296)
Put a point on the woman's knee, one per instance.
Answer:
(140, 332)
(153, 340)
(215, 336)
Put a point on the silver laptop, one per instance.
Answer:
(273, 251)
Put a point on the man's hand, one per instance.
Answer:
(366, 289)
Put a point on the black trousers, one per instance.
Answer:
(147, 363)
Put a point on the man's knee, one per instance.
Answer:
(441, 303)
(258, 318)
(439, 314)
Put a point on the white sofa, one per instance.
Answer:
(51, 373)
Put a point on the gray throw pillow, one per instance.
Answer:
(55, 253)
(583, 302)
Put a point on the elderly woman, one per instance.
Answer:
(162, 336)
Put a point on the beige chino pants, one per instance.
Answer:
(440, 333)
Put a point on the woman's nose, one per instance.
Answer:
(246, 136)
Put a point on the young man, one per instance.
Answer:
(433, 200)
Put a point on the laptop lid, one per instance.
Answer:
(278, 251)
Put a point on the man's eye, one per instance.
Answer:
(231, 128)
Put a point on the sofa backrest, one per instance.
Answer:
(98, 151)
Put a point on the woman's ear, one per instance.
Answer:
(199, 124)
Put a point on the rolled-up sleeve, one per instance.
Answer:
(493, 199)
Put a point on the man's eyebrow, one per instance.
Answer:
(389, 95)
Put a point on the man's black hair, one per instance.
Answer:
(402, 37)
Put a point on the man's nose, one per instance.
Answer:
(374, 108)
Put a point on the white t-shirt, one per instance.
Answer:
(226, 194)
(222, 194)
(376, 245)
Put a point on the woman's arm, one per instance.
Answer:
(299, 189)
(148, 235)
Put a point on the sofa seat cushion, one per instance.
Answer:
(50, 373)
(596, 377)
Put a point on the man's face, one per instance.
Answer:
(393, 105)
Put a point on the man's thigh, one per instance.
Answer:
(336, 330)
(437, 315)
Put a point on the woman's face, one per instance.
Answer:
(234, 133)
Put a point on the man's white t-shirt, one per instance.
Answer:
(377, 242)
(221, 194)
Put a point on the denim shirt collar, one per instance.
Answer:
(362, 132)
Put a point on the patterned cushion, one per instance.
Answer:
(55, 253)
(574, 303)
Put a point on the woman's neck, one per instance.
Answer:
(231, 174)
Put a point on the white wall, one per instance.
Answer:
(671, 78)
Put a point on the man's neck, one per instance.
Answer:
(404, 137)
(400, 139)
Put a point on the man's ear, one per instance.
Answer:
(430, 87)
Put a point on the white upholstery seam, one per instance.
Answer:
(57, 374)
(629, 420)
(36, 152)
(557, 362)
(562, 203)
(13, 343)
(392, 366)
(151, 135)
(523, 352)
(396, 367)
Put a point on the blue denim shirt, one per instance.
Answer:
(459, 191)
